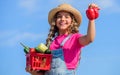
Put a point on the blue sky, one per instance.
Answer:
(26, 21)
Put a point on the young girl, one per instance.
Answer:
(64, 39)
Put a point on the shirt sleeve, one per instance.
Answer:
(78, 35)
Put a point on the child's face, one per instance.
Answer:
(63, 20)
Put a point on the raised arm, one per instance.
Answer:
(92, 14)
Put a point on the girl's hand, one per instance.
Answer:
(92, 12)
(33, 72)
(92, 5)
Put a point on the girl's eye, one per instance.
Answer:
(58, 16)
(67, 16)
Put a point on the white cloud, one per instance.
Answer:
(29, 5)
(12, 38)
(105, 3)
(35, 5)
(109, 5)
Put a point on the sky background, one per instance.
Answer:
(26, 21)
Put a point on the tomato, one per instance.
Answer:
(32, 50)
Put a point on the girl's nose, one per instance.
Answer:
(63, 18)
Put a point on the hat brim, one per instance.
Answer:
(67, 8)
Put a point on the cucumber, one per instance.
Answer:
(38, 50)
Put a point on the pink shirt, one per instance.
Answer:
(71, 49)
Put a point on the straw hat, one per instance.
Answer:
(65, 7)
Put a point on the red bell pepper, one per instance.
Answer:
(92, 13)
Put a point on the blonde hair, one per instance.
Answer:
(74, 28)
